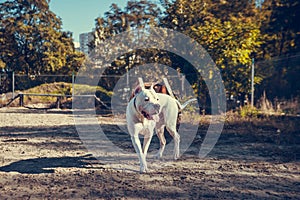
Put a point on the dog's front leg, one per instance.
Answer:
(147, 140)
(134, 132)
(138, 149)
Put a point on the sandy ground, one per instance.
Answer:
(42, 157)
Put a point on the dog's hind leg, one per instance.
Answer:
(176, 138)
(162, 140)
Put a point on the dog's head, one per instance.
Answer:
(147, 102)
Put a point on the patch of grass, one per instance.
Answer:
(278, 106)
(51, 88)
(87, 89)
(248, 111)
(63, 89)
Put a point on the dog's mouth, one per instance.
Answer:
(150, 116)
(146, 115)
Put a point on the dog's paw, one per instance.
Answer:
(176, 156)
(143, 170)
(158, 156)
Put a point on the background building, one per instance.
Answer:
(85, 39)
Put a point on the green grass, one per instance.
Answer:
(63, 89)
(87, 89)
(51, 88)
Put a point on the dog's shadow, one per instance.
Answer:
(48, 165)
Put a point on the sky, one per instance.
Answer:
(78, 16)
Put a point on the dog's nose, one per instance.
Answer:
(157, 106)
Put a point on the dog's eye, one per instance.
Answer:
(147, 99)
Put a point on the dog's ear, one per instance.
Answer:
(157, 87)
(137, 90)
(141, 83)
(152, 87)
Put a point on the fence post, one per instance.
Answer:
(13, 84)
(127, 77)
(73, 81)
(58, 102)
(182, 84)
(252, 83)
(21, 103)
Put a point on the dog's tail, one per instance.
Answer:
(181, 107)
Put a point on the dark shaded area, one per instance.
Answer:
(274, 139)
(47, 165)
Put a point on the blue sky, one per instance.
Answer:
(78, 16)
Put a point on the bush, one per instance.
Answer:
(248, 111)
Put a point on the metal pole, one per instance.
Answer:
(182, 83)
(73, 81)
(252, 83)
(21, 103)
(13, 84)
(168, 87)
(127, 77)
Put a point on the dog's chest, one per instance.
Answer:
(147, 126)
(148, 123)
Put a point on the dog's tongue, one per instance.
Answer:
(155, 118)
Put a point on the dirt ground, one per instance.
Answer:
(42, 157)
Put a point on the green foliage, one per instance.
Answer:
(233, 32)
(281, 26)
(248, 112)
(32, 41)
(228, 30)
(63, 89)
(230, 44)
(135, 15)
(281, 48)
(180, 15)
(87, 89)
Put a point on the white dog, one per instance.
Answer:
(149, 110)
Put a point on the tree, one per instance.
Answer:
(281, 48)
(32, 40)
(226, 29)
(229, 37)
(180, 15)
(281, 27)
(226, 10)
(136, 15)
(230, 44)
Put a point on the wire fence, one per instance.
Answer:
(11, 84)
(60, 88)
(14, 83)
